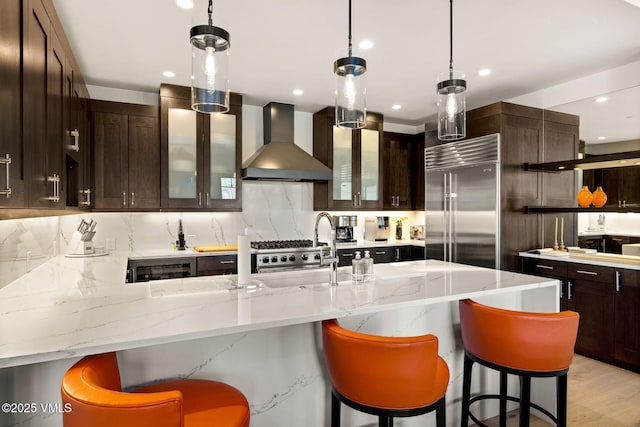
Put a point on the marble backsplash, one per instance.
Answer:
(271, 211)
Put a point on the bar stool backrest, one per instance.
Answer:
(385, 372)
(519, 340)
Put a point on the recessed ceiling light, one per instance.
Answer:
(297, 92)
(396, 106)
(602, 99)
(185, 4)
(168, 73)
(365, 44)
(601, 138)
(484, 72)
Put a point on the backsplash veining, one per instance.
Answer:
(270, 211)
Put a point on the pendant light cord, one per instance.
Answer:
(350, 28)
(451, 39)
(210, 12)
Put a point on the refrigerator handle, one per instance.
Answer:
(447, 217)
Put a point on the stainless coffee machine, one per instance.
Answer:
(344, 227)
(376, 228)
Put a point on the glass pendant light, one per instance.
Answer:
(351, 108)
(210, 67)
(451, 99)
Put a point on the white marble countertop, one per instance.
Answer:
(607, 260)
(607, 233)
(70, 307)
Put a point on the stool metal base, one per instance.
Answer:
(525, 393)
(385, 416)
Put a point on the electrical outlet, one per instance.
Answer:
(111, 244)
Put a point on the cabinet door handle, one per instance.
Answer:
(618, 287)
(227, 262)
(590, 273)
(569, 290)
(86, 193)
(546, 267)
(199, 198)
(359, 199)
(397, 254)
(124, 199)
(133, 198)
(6, 162)
(76, 140)
(206, 200)
(55, 180)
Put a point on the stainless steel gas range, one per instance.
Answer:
(278, 255)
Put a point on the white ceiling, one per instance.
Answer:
(279, 45)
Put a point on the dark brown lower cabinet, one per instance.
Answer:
(217, 265)
(608, 300)
(592, 293)
(627, 317)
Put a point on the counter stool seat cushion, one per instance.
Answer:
(92, 387)
(204, 401)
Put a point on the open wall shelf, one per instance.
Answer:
(559, 209)
(615, 160)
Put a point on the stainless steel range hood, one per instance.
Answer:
(280, 159)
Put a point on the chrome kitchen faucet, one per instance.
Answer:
(333, 259)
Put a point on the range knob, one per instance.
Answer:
(265, 259)
(283, 258)
(316, 256)
(305, 257)
(292, 258)
(274, 259)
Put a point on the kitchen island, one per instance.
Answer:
(263, 339)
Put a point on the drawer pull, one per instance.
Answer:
(381, 253)
(347, 255)
(591, 273)
(227, 262)
(546, 267)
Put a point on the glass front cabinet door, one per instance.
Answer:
(354, 157)
(201, 154)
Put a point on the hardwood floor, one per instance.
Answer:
(600, 395)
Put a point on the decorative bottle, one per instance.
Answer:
(368, 267)
(357, 268)
(599, 197)
(584, 197)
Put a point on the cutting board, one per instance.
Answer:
(221, 248)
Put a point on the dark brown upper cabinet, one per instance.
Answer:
(43, 105)
(201, 154)
(397, 182)
(12, 191)
(355, 156)
(126, 146)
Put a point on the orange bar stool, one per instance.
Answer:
(92, 388)
(384, 376)
(518, 343)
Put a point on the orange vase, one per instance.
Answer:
(599, 198)
(584, 197)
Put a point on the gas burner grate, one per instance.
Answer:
(284, 244)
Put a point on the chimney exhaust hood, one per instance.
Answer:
(279, 159)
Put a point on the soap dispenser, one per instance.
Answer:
(368, 267)
(357, 268)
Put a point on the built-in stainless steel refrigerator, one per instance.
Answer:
(462, 201)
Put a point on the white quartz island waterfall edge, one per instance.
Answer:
(264, 341)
